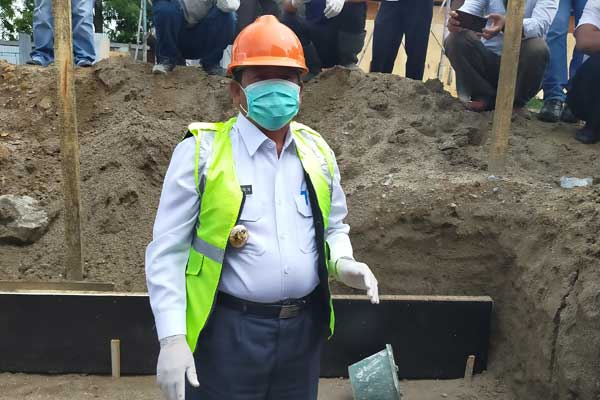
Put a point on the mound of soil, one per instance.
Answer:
(424, 212)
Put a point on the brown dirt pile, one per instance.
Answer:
(424, 213)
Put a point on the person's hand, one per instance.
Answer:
(175, 362)
(333, 8)
(357, 275)
(228, 6)
(454, 23)
(497, 25)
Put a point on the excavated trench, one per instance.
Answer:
(544, 330)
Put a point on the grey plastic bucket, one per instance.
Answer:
(376, 377)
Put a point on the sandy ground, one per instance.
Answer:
(425, 213)
(39, 387)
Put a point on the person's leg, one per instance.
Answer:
(556, 75)
(208, 38)
(43, 36)
(475, 66)
(324, 36)
(82, 12)
(168, 21)
(584, 99)
(387, 34)
(234, 357)
(298, 355)
(269, 7)
(298, 24)
(577, 60)
(532, 64)
(246, 14)
(350, 33)
(417, 38)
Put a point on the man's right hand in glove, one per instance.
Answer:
(175, 363)
(333, 8)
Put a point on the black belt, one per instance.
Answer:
(283, 310)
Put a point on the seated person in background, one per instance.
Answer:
(477, 61)
(584, 96)
(193, 29)
(332, 31)
(402, 18)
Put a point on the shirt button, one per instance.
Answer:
(282, 236)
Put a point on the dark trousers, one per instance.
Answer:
(337, 40)
(177, 41)
(479, 68)
(410, 19)
(249, 10)
(584, 95)
(245, 357)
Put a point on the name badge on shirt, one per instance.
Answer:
(246, 189)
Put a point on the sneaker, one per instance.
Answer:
(84, 63)
(162, 69)
(551, 111)
(587, 135)
(214, 70)
(34, 61)
(568, 116)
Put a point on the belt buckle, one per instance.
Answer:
(289, 311)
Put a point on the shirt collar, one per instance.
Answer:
(253, 138)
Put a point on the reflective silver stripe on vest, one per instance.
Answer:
(208, 250)
(207, 140)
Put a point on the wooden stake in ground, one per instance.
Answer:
(115, 358)
(509, 65)
(69, 143)
(469, 369)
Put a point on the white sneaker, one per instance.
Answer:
(162, 69)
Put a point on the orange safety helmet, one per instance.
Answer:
(267, 42)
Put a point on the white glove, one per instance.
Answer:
(228, 5)
(175, 362)
(333, 8)
(357, 275)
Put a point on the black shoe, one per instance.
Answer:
(551, 111)
(568, 116)
(587, 135)
(214, 70)
(34, 61)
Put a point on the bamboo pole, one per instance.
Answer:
(115, 358)
(69, 143)
(509, 65)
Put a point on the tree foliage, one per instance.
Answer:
(15, 17)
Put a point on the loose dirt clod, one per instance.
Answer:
(425, 215)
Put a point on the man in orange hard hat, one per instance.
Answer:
(248, 231)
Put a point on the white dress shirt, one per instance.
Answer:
(591, 14)
(539, 15)
(280, 259)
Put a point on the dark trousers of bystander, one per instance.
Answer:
(479, 68)
(249, 10)
(584, 95)
(177, 40)
(337, 41)
(397, 19)
(241, 356)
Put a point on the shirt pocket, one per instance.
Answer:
(252, 217)
(305, 226)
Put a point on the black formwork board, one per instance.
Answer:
(43, 332)
(432, 336)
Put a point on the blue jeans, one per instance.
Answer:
(82, 14)
(557, 74)
(177, 40)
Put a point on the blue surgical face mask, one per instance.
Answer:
(272, 103)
